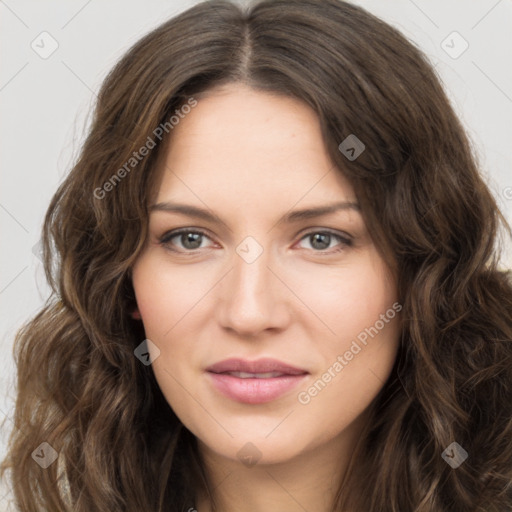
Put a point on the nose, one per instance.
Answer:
(251, 299)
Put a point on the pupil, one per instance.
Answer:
(320, 240)
(191, 240)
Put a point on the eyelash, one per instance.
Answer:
(167, 237)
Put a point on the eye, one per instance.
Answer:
(325, 240)
(184, 240)
(188, 240)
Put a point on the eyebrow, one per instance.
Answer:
(290, 217)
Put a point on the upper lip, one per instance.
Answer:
(264, 365)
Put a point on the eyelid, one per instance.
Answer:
(178, 231)
(330, 231)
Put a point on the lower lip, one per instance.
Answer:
(254, 391)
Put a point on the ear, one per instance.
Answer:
(135, 313)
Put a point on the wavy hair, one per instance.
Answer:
(428, 210)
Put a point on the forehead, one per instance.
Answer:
(247, 145)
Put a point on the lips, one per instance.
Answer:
(254, 382)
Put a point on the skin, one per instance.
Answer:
(251, 157)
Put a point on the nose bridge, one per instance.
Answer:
(250, 300)
(249, 281)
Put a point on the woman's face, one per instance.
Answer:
(272, 317)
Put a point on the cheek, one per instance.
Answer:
(348, 299)
(359, 305)
(163, 300)
(164, 296)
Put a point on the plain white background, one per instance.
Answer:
(45, 104)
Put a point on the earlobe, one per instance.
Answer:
(135, 313)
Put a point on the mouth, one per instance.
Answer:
(247, 375)
(254, 382)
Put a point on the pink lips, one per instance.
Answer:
(254, 382)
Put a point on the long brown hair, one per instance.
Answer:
(80, 388)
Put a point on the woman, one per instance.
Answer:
(276, 283)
